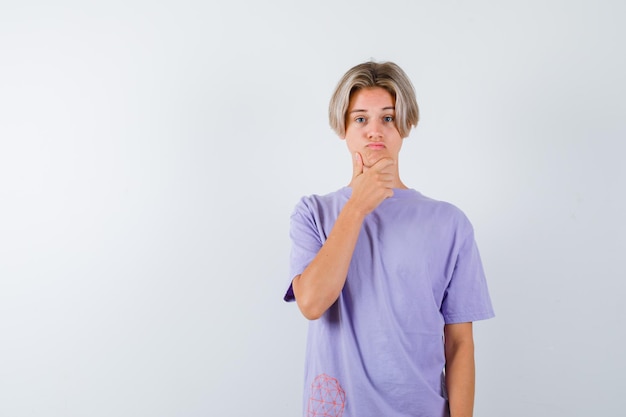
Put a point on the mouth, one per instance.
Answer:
(376, 146)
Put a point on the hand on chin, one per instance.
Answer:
(371, 157)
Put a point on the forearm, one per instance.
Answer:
(320, 284)
(460, 377)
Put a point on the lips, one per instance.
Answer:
(376, 146)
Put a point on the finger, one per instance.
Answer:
(357, 165)
(383, 163)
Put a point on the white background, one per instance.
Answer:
(151, 153)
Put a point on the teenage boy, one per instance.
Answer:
(390, 279)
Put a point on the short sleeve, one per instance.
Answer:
(305, 241)
(467, 297)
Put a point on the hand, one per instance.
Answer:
(370, 187)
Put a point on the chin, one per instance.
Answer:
(372, 159)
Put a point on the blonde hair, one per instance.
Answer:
(370, 74)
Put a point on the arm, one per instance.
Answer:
(460, 373)
(320, 284)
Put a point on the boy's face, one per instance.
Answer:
(370, 126)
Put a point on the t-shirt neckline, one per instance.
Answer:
(397, 192)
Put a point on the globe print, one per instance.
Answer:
(327, 397)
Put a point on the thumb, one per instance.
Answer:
(357, 165)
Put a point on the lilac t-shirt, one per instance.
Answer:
(378, 350)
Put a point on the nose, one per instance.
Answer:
(374, 131)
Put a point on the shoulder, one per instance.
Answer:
(321, 202)
(441, 212)
(444, 208)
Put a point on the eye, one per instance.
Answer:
(388, 119)
(360, 119)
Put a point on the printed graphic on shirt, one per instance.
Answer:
(327, 399)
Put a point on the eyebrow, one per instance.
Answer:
(365, 111)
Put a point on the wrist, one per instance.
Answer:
(352, 211)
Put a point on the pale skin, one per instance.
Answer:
(374, 142)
